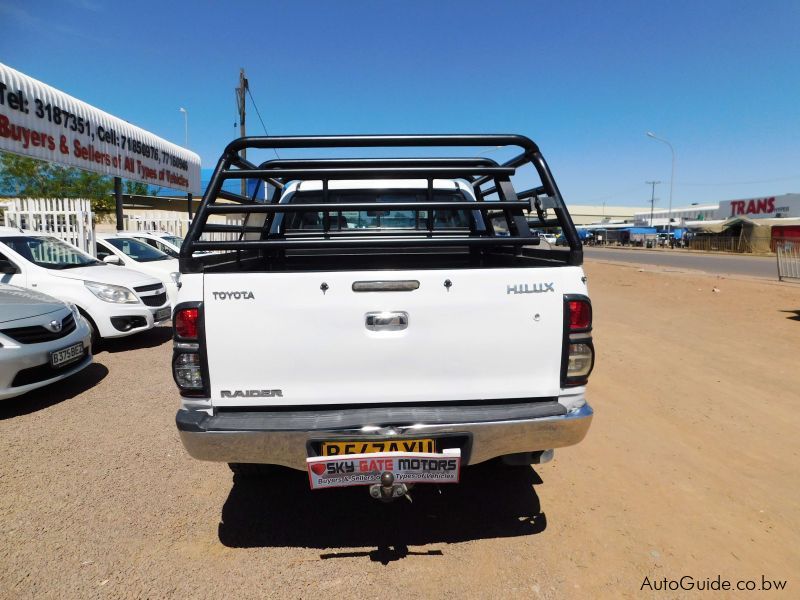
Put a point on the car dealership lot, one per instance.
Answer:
(690, 468)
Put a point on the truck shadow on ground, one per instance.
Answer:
(53, 393)
(146, 339)
(492, 501)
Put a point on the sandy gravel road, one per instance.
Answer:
(691, 468)
(713, 263)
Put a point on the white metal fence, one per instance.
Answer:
(69, 219)
(176, 223)
(788, 253)
(72, 220)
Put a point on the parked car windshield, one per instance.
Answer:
(49, 252)
(159, 244)
(138, 251)
(173, 239)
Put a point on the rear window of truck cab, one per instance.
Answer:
(354, 220)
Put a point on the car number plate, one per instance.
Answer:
(366, 469)
(66, 355)
(162, 314)
(365, 447)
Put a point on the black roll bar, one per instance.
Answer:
(477, 171)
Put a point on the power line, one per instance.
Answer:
(695, 184)
(794, 177)
(259, 118)
(612, 195)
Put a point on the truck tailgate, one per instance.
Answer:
(302, 338)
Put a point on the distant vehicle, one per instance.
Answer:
(164, 241)
(161, 240)
(550, 238)
(116, 301)
(42, 340)
(123, 249)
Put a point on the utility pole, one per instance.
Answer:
(652, 198)
(650, 134)
(118, 204)
(241, 93)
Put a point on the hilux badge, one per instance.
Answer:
(530, 288)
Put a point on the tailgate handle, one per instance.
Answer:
(408, 285)
(387, 321)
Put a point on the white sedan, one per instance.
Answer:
(166, 242)
(42, 340)
(123, 249)
(116, 301)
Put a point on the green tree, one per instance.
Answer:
(30, 178)
(137, 188)
(20, 176)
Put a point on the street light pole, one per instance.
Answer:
(650, 134)
(185, 127)
(652, 198)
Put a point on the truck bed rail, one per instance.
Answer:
(486, 176)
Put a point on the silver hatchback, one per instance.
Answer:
(42, 340)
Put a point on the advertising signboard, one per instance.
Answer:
(39, 121)
(787, 205)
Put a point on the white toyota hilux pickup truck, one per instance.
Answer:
(381, 321)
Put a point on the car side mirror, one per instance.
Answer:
(7, 267)
(112, 260)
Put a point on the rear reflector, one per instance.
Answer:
(580, 315)
(186, 323)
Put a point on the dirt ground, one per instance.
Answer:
(691, 468)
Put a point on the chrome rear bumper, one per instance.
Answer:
(287, 438)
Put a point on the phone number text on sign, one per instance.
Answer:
(39, 121)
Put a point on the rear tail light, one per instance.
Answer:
(580, 315)
(189, 364)
(578, 354)
(186, 323)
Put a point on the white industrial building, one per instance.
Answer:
(786, 206)
(752, 224)
(586, 214)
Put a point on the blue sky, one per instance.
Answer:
(720, 80)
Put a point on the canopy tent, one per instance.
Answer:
(719, 226)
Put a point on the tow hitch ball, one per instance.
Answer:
(387, 490)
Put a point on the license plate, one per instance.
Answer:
(366, 469)
(163, 314)
(366, 447)
(66, 355)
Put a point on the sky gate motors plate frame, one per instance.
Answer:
(39, 121)
(479, 172)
